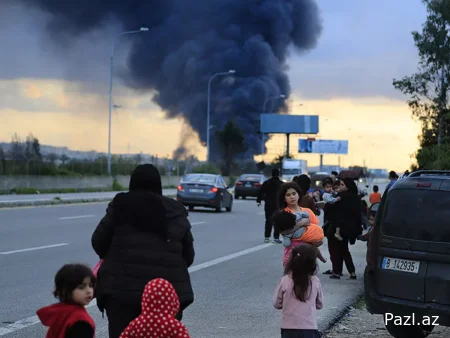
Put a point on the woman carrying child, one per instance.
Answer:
(299, 295)
(290, 194)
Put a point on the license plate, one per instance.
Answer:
(248, 185)
(403, 265)
(196, 190)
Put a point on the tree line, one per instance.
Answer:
(427, 89)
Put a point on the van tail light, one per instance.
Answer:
(423, 185)
(238, 183)
(258, 184)
(214, 189)
(180, 188)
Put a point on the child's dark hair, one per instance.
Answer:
(375, 188)
(68, 278)
(301, 266)
(282, 192)
(284, 220)
(326, 182)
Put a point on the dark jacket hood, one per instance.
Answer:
(146, 177)
(144, 210)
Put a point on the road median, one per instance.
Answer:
(59, 200)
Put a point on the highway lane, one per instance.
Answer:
(233, 294)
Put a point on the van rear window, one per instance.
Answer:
(417, 214)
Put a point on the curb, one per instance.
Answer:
(340, 314)
(57, 201)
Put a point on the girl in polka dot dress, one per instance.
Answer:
(160, 304)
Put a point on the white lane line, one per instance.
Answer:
(197, 223)
(33, 249)
(24, 323)
(75, 217)
(228, 257)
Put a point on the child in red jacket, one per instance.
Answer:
(160, 304)
(74, 287)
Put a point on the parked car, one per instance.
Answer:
(205, 190)
(408, 257)
(248, 185)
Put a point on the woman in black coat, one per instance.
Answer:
(144, 235)
(347, 216)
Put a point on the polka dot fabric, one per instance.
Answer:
(160, 304)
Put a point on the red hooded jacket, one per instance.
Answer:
(60, 317)
(160, 304)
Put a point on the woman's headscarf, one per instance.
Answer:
(143, 206)
(146, 177)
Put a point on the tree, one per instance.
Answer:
(3, 160)
(427, 89)
(17, 151)
(231, 140)
(278, 161)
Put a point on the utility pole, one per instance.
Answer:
(443, 105)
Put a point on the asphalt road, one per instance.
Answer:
(234, 273)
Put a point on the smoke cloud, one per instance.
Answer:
(190, 40)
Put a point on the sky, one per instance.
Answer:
(346, 80)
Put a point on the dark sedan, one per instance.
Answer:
(248, 185)
(205, 190)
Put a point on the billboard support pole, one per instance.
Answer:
(321, 162)
(287, 145)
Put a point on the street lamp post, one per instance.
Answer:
(231, 71)
(142, 29)
(264, 110)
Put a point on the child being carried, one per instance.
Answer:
(295, 227)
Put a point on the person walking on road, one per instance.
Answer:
(299, 295)
(348, 218)
(143, 236)
(306, 200)
(269, 193)
(74, 288)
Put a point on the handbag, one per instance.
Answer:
(97, 267)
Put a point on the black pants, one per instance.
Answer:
(120, 314)
(291, 333)
(269, 211)
(339, 253)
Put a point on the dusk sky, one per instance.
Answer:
(346, 80)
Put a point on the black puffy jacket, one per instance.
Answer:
(143, 236)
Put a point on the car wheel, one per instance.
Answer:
(244, 197)
(403, 331)
(219, 207)
(191, 208)
(230, 207)
(236, 196)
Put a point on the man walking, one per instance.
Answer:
(269, 193)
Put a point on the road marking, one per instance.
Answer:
(228, 257)
(75, 217)
(24, 323)
(197, 223)
(33, 249)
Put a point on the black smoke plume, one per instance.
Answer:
(189, 40)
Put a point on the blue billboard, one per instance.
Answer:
(289, 124)
(339, 147)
